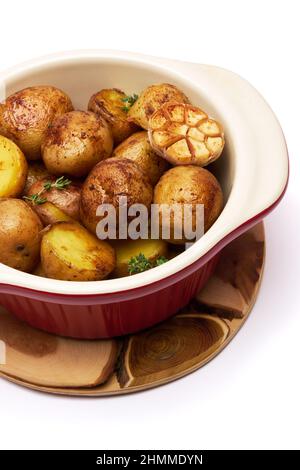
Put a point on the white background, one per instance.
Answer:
(248, 397)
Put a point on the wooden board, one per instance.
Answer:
(47, 360)
(159, 355)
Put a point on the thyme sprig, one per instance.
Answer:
(138, 264)
(129, 101)
(161, 260)
(60, 183)
(35, 199)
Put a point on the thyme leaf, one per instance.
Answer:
(138, 264)
(35, 199)
(129, 101)
(60, 183)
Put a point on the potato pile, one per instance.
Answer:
(58, 165)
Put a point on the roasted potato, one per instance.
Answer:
(189, 185)
(109, 104)
(184, 135)
(138, 149)
(49, 214)
(39, 271)
(26, 115)
(13, 169)
(151, 99)
(20, 230)
(36, 171)
(75, 143)
(108, 181)
(70, 253)
(66, 199)
(127, 249)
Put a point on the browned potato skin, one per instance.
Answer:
(36, 171)
(75, 143)
(39, 271)
(153, 98)
(94, 259)
(65, 199)
(106, 182)
(26, 115)
(108, 104)
(20, 230)
(190, 185)
(138, 149)
(50, 214)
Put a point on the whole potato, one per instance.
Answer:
(26, 115)
(75, 143)
(138, 149)
(20, 230)
(36, 171)
(66, 199)
(153, 98)
(109, 104)
(13, 169)
(70, 253)
(189, 185)
(108, 181)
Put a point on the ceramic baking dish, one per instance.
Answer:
(253, 172)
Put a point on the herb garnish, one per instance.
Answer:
(139, 263)
(35, 199)
(60, 183)
(129, 101)
(161, 260)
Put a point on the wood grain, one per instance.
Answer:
(148, 359)
(170, 348)
(230, 290)
(42, 359)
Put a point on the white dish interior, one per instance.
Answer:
(253, 169)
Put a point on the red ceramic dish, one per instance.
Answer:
(253, 173)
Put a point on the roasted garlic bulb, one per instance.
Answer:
(184, 135)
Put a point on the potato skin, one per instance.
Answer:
(138, 149)
(39, 271)
(108, 181)
(36, 171)
(108, 104)
(50, 214)
(190, 185)
(26, 115)
(13, 169)
(126, 249)
(70, 253)
(66, 199)
(75, 143)
(153, 98)
(20, 230)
